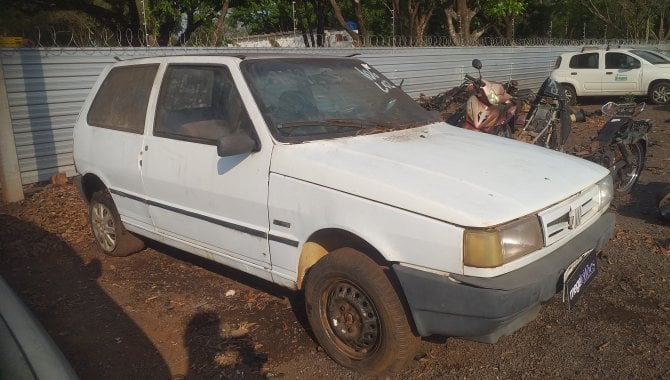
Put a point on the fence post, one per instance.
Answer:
(10, 176)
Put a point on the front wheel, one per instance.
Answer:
(568, 93)
(628, 166)
(356, 314)
(660, 93)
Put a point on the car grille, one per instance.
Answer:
(561, 219)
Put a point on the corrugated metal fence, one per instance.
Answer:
(45, 88)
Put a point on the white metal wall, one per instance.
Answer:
(46, 87)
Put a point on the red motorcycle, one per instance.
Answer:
(490, 108)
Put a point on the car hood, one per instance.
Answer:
(462, 177)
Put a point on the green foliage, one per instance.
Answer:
(505, 8)
(264, 16)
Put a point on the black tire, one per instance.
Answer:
(110, 235)
(660, 93)
(503, 131)
(627, 174)
(348, 289)
(568, 93)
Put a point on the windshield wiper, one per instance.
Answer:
(348, 123)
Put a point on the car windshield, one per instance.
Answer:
(651, 57)
(315, 98)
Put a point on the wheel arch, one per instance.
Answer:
(321, 242)
(91, 183)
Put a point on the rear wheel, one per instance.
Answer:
(356, 314)
(660, 93)
(110, 235)
(628, 166)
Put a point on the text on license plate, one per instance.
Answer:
(578, 275)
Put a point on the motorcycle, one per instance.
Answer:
(621, 144)
(548, 122)
(489, 108)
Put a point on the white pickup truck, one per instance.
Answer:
(614, 72)
(321, 175)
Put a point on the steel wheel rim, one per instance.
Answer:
(630, 172)
(661, 94)
(351, 319)
(104, 227)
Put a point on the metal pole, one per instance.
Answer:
(294, 24)
(144, 16)
(10, 175)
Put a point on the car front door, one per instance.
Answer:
(217, 204)
(622, 74)
(584, 71)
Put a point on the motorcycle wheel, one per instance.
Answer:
(503, 131)
(551, 138)
(664, 204)
(626, 173)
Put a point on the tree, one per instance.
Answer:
(507, 11)
(459, 23)
(420, 12)
(358, 37)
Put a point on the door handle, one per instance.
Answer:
(608, 73)
(573, 73)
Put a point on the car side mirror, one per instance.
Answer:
(236, 144)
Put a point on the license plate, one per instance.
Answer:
(578, 275)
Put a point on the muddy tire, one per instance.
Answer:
(111, 237)
(660, 93)
(357, 315)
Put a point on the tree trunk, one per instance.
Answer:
(458, 24)
(220, 21)
(362, 30)
(419, 15)
(343, 23)
(320, 11)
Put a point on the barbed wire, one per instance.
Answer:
(106, 38)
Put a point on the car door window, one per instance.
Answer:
(584, 61)
(199, 103)
(619, 61)
(121, 101)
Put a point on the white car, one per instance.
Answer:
(321, 175)
(614, 72)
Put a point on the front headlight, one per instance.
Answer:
(488, 248)
(493, 98)
(606, 190)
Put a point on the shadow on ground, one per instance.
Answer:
(92, 331)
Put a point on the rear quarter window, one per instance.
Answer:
(584, 61)
(121, 101)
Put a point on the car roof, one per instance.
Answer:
(241, 56)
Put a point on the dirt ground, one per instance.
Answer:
(165, 314)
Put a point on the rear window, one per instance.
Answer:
(584, 61)
(121, 101)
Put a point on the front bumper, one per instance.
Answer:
(484, 309)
